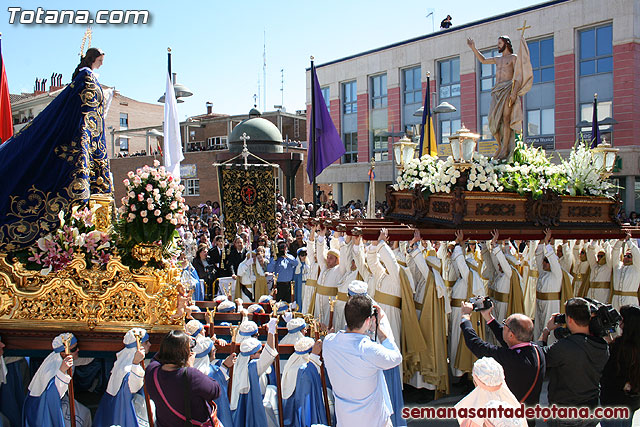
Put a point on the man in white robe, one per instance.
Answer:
(549, 284)
(331, 274)
(386, 273)
(599, 258)
(626, 273)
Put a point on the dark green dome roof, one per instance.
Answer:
(258, 130)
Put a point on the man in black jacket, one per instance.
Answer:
(575, 363)
(522, 360)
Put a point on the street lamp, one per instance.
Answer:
(443, 108)
(604, 157)
(403, 151)
(463, 144)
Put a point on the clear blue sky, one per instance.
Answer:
(217, 45)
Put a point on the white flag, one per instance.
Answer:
(172, 149)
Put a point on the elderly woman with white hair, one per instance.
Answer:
(47, 404)
(124, 403)
(303, 403)
(488, 377)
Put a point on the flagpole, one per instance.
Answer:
(313, 136)
(169, 62)
(425, 108)
(595, 129)
(428, 107)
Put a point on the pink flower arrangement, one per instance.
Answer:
(79, 236)
(154, 204)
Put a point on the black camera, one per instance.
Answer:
(560, 319)
(481, 303)
(604, 318)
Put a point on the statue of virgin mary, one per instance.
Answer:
(57, 160)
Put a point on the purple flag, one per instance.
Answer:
(595, 129)
(327, 147)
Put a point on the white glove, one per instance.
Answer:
(272, 325)
(287, 316)
(293, 306)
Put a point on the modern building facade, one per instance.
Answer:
(577, 47)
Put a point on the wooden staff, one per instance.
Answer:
(234, 332)
(72, 399)
(211, 318)
(332, 303)
(323, 378)
(293, 292)
(147, 400)
(277, 367)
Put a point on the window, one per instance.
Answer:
(192, 187)
(605, 109)
(380, 145)
(596, 50)
(488, 71)
(351, 147)
(449, 78)
(540, 122)
(124, 144)
(325, 95)
(379, 91)
(485, 132)
(350, 98)
(412, 86)
(541, 55)
(447, 128)
(124, 120)
(217, 143)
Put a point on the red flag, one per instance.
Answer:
(6, 120)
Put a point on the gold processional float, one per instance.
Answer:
(98, 301)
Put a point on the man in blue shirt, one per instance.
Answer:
(284, 266)
(355, 366)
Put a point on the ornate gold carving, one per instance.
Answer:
(145, 252)
(102, 215)
(108, 297)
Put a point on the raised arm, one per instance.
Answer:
(478, 55)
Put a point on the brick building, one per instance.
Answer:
(124, 113)
(577, 48)
(206, 141)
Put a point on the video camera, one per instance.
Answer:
(481, 303)
(604, 320)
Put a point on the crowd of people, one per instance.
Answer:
(505, 314)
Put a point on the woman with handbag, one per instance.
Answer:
(182, 394)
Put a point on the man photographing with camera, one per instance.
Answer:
(575, 362)
(355, 366)
(522, 360)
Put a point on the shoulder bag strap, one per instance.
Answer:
(535, 381)
(164, 399)
(187, 398)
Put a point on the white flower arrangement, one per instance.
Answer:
(435, 176)
(531, 172)
(582, 174)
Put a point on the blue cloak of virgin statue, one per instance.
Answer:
(57, 160)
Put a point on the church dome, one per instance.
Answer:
(264, 136)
